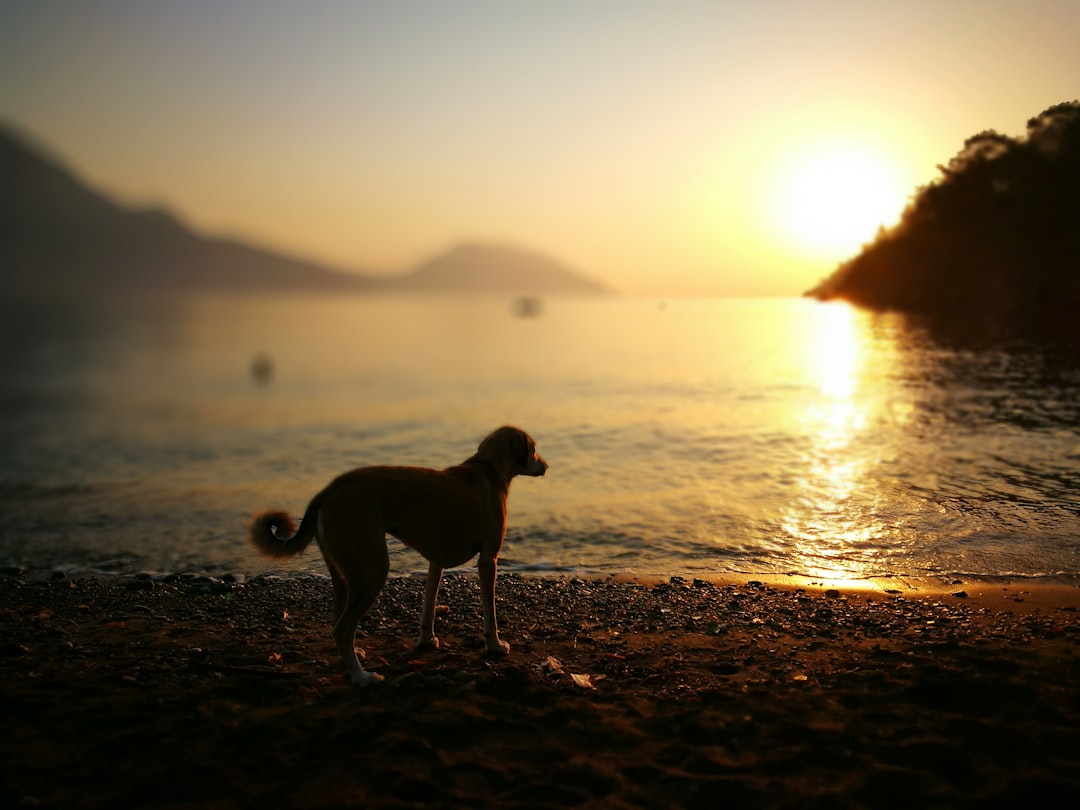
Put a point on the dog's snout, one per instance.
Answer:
(537, 466)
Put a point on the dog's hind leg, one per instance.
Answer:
(341, 598)
(340, 584)
(427, 614)
(364, 575)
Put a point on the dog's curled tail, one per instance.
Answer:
(274, 534)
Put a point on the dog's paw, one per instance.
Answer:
(429, 643)
(498, 647)
(364, 678)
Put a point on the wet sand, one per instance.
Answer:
(188, 692)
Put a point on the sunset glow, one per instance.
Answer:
(833, 200)
(696, 148)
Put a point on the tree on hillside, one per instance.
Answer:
(996, 237)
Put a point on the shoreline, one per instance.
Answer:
(1015, 593)
(190, 691)
(1019, 593)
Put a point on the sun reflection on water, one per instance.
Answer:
(828, 519)
(835, 351)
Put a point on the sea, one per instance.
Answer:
(685, 437)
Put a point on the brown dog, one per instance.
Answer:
(448, 515)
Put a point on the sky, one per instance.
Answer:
(666, 148)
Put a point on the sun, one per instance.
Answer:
(831, 201)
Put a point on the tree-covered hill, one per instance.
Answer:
(995, 240)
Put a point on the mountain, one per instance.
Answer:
(60, 236)
(477, 268)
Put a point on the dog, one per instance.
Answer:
(449, 516)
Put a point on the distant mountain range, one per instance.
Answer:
(477, 268)
(59, 236)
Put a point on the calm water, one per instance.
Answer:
(687, 437)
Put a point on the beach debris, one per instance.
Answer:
(584, 681)
(832, 593)
(552, 666)
(961, 595)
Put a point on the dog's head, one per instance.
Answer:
(513, 449)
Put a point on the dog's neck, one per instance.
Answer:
(498, 479)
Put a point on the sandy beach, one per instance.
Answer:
(185, 691)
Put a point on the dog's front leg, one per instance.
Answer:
(427, 613)
(486, 568)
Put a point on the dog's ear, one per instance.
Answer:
(520, 451)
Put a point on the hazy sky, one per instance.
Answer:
(664, 147)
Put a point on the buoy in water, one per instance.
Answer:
(262, 368)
